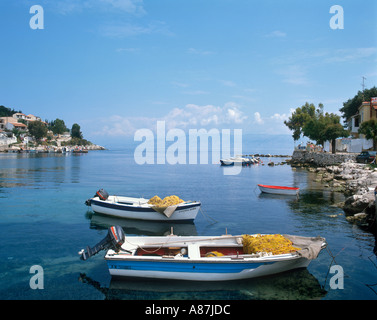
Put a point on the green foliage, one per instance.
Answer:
(299, 118)
(7, 112)
(315, 125)
(37, 129)
(75, 131)
(76, 142)
(58, 126)
(351, 107)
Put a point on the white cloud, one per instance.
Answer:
(190, 116)
(348, 55)
(234, 114)
(129, 30)
(196, 92)
(279, 117)
(276, 34)
(294, 74)
(130, 6)
(227, 83)
(129, 50)
(203, 116)
(134, 7)
(272, 124)
(180, 84)
(258, 118)
(199, 51)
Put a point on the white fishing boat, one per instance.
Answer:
(197, 258)
(140, 209)
(239, 161)
(278, 189)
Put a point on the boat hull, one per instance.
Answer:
(204, 258)
(185, 212)
(201, 271)
(278, 190)
(238, 161)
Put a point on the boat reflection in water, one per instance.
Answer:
(145, 228)
(294, 285)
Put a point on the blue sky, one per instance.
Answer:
(115, 66)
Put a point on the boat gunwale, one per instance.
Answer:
(277, 187)
(139, 207)
(199, 242)
(208, 260)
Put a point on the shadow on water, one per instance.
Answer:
(293, 285)
(140, 227)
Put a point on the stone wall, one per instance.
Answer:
(321, 159)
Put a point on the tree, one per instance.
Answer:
(325, 128)
(332, 129)
(351, 107)
(7, 112)
(369, 129)
(37, 129)
(58, 126)
(315, 125)
(75, 131)
(300, 117)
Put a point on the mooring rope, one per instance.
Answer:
(205, 215)
(345, 274)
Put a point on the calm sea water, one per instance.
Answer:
(44, 221)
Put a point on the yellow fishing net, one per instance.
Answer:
(166, 202)
(214, 254)
(274, 243)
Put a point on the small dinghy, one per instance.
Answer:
(243, 161)
(144, 209)
(279, 189)
(204, 258)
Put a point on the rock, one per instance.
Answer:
(360, 217)
(356, 203)
(343, 174)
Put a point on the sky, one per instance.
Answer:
(116, 66)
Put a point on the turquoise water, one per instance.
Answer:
(44, 221)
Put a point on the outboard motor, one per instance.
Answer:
(114, 240)
(102, 194)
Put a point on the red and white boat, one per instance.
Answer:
(279, 189)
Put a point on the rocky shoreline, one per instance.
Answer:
(50, 149)
(341, 173)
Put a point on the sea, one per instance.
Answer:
(44, 223)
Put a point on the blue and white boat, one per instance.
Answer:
(197, 258)
(140, 209)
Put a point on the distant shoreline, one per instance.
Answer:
(51, 149)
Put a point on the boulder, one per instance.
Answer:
(357, 203)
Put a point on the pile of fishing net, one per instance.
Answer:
(166, 202)
(274, 244)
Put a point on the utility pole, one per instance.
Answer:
(363, 85)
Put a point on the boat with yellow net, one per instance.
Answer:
(170, 208)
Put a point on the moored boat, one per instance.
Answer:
(278, 189)
(141, 208)
(198, 258)
(243, 161)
